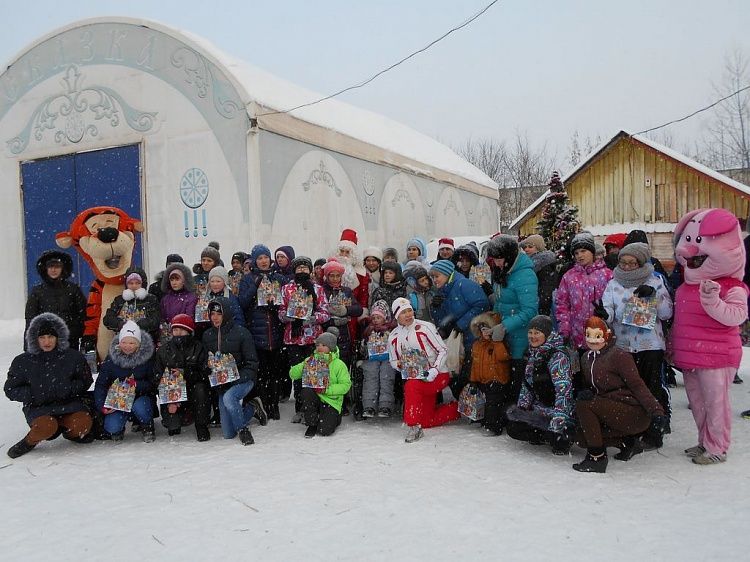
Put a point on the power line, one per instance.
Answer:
(717, 102)
(391, 67)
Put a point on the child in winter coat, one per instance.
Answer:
(321, 405)
(300, 333)
(416, 249)
(419, 290)
(236, 273)
(545, 404)
(178, 296)
(490, 370)
(218, 286)
(50, 380)
(420, 339)
(377, 389)
(392, 284)
(130, 359)
(258, 296)
(614, 406)
(341, 305)
(58, 295)
(580, 289)
(635, 282)
(185, 353)
(134, 304)
(234, 358)
(283, 258)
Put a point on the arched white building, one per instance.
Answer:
(117, 111)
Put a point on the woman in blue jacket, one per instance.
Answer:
(515, 296)
(457, 302)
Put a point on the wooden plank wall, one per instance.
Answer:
(612, 190)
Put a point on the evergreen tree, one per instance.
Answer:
(559, 222)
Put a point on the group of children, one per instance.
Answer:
(368, 336)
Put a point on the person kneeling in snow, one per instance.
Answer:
(322, 394)
(420, 394)
(543, 412)
(129, 359)
(615, 406)
(50, 380)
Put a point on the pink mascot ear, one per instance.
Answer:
(683, 223)
(716, 222)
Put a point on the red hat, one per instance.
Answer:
(333, 265)
(616, 239)
(446, 243)
(183, 321)
(349, 235)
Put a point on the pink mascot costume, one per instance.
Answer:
(709, 308)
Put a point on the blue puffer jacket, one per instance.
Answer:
(119, 366)
(517, 304)
(262, 321)
(464, 299)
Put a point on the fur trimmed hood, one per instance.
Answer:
(141, 355)
(491, 319)
(32, 334)
(185, 270)
(67, 263)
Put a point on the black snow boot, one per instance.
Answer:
(20, 449)
(595, 461)
(202, 432)
(629, 448)
(246, 438)
(149, 435)
(312, 430)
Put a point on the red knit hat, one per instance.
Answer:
(615, 240)
(183, 321)
(333, 265)
(446, 243)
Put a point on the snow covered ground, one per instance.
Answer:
(364, 494)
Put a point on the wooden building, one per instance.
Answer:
(632, 182)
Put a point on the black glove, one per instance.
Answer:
(88, 343)
(600, 311)
(585, 395)
(487, 288)
(297, 326)
(659, 424)
(445, 330)
(437, 300)
(644, 291)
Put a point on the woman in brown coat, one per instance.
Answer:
(614, 406)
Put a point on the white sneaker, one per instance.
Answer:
(708, 458)
(692, 452)
(415, 432)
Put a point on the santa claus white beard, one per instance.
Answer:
(349, 277)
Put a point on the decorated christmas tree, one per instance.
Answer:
(559, 222)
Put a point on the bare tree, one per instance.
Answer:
(517, 167)
(727, 142)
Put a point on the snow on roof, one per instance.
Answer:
(278, 94)
(648, 142)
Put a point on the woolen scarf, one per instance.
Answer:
(634, 278)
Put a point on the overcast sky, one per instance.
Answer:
(545, 67)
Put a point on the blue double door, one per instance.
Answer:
(56, 189)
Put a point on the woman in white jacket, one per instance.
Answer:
(417, 351)
(639, 330)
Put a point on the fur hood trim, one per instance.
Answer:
(141, 355)
(32, 334)
(491, 319)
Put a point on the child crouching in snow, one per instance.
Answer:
(129, 361)
(325, 381)
(379, 376)
(415, 345)
(490, 370)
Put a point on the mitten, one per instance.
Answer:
(487, 288)
(600, 311)
(659, 424)
(585, 395)
(437, 300)
(644, 291)
(88, 343)
(498, 332)
(337, 309)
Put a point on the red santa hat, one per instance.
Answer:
(446, 243)
(348, 238)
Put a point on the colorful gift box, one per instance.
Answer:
(121, 395)
(414, 363)
(223, 368)
(172, 387)
(471, 402)
(315, 374)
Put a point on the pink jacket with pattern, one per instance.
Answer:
(579, 288)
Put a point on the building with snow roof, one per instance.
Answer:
(631, 182)
(131, 113)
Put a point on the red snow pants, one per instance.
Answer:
(419, 403)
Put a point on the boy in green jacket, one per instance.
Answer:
(325, 381)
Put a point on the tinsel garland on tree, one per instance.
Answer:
(559, 222)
